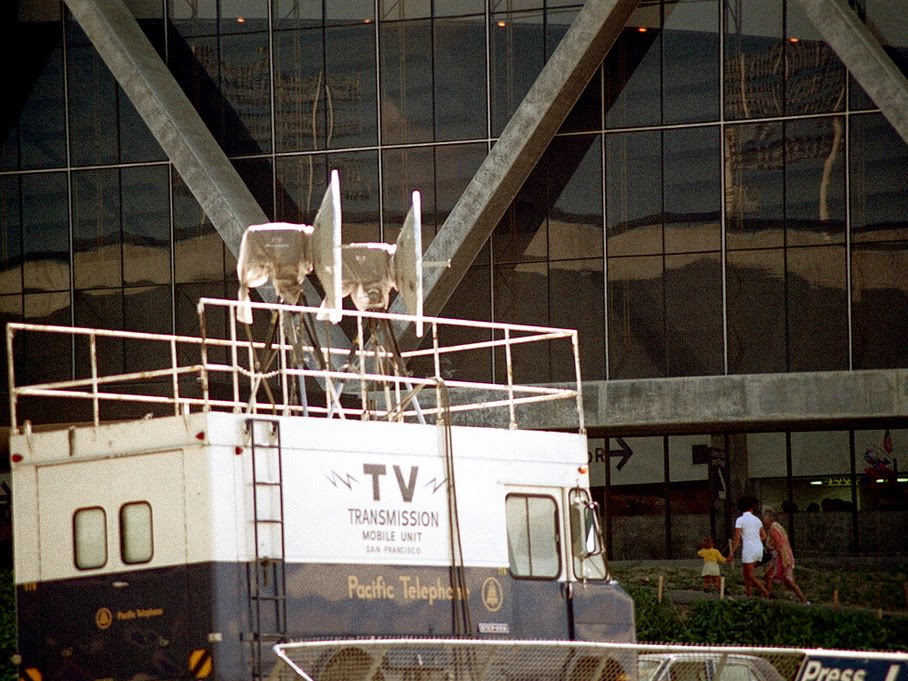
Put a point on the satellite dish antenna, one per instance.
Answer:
(326, 250)
(408, 262)
(278, 251)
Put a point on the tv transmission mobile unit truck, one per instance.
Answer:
(259, 483)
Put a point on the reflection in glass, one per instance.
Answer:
(99, 309)
(693, 315)
(406, 81)
(632, 72)
(636, 317)
(815, 181)
(814, 76)
(97, 253)
(754, 186)
(11, 235)
(472, 299)
(879, 299)
(634, 193)
(349, 105)
(146, 225)
(755, 301)
(42, 117)
(299, 86)
(817, 308)
(581, 283)
(690, 44)
(693, 188)
(460, 78)
(93, 108)
(754, 58)
(403, 171)
(45, 232)
(198, 249)
(520, 296)
(878, 181)
(245, 89)
(301, 182)
(575, 185)
(455, 166)
(147, 309)
(358, 172)
(518, 55)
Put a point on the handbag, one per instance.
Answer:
(766, 557)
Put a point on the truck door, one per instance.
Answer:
(598, 609)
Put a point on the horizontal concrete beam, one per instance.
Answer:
(710, 404)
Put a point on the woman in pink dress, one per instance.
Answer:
(781, 567)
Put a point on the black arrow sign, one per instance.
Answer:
(625, 452)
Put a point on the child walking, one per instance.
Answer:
(711, 558)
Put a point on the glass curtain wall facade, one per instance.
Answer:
(723, 198)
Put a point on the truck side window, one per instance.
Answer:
(136, 538)
(90, 538)
(533, 541)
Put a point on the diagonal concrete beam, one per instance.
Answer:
(177, 127)
(520, 146)
(863, 56)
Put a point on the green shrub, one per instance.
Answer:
(758, 622)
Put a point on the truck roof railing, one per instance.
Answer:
(296, 370)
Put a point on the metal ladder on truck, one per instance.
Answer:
(266, 576)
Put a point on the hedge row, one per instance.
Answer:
(758, 622)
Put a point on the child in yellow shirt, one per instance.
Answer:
(711, 558)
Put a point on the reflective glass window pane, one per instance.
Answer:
(817, 308)
(522, 232)
(634, 193)
(521, 297)
(755, 294)
(45, 232)
(693, 186)
(245, 88)
(518, 55)
(406, 81)
(242, 16)
(690, 44)
(350, 11)
(404, 171)
(586, 114)
(689, 497)
(301, 183)
(881, 483)
(100, 309)
(455, 166)
(296, 13)
(46, 357)
(146, 225)
(878, 180)
(299, 90)
(472, 299)
(633, 72)
(754, 58)
(814, 76)
(580, 282)
(11, 234)
(446, 8)
(575, 186)
(460, 78)
(350, 107)
(97, 247)
(754, 186)
(886, 21)
(37, 100)
(148, 309)
(140, 144)
(258, 176)
(93, 108)
(693, 315)
(879, 301)
(358, 173)
(391, 10)
(195, 18)
(636, 317)
(198, 249)
(815, 181)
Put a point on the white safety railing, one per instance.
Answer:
(293, 369)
